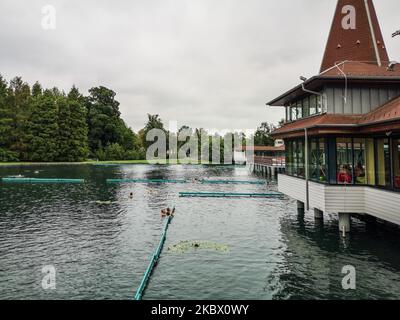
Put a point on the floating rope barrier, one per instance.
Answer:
(37, 180)
(232, 182)
(153, 262)
(144, 181)
(229, 195)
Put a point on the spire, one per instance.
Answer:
(355, 35)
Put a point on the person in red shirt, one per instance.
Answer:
(344, 175)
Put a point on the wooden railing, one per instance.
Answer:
(270, 161)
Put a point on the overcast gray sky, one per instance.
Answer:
(204, 63)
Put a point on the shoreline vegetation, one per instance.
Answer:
(45, 126)
(61, 163)
(105, 163)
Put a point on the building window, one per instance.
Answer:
(313, 105)
(396, 163)
(314, 160)
(344, 161)
(300, 158)
(293, 113)
(299, 110)
(289, 158)
(317, 159)
(370, 161)
(295, 157)
(322, 160)
(306, 107)
(360, 176)
(383, 162)
(287, 114)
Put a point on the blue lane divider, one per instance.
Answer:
(144, 181)
(232, 182)
(153, 262)
(229, 195)
(37, 180)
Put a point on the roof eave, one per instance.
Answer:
(280, 101)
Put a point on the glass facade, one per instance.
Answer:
(313, 159)
(322, 164)
(370, 161)
(300, 159)
(308, 106)
(383, 162)
(317, 160)
(295, 158)
(346, 160)
(314, 107)
(396, 163)
(289, 158)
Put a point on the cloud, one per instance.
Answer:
(204, 63)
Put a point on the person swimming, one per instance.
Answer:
(167, 212)
(131, 195)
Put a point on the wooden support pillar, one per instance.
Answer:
(300, 207)
(318, 214)
(344, 222)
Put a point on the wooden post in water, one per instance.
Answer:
(344, 222)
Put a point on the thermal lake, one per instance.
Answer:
(100, 240)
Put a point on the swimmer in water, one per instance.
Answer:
(131, 195)
(167, 212)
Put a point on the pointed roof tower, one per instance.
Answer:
(355, 35)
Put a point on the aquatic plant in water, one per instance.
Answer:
(184, 246)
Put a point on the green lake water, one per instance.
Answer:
(100, 240)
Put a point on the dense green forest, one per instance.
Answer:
(49, 125)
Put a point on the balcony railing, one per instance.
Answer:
(270, 161)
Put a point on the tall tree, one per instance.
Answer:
(79, 148)
(262, 136)
(37, 89)
(43, 128)
(65, 130)
(6, 125)
(72, 127)
(19, 95)
(153, 122)
(103, 118)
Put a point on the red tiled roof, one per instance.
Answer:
(362, 69)
(319, 120)
(356, 44)
(352, 52)
(386, 113)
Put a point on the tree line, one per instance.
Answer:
(49, 125)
